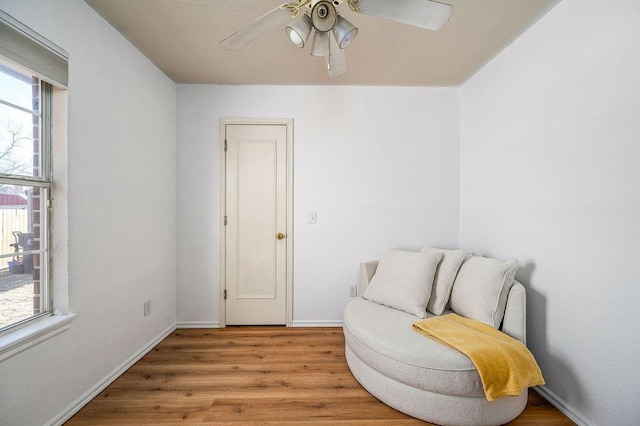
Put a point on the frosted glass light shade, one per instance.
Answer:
(320, 46)
(299, 30)
(344, 32)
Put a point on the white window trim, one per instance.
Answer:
(44, 328)
(23, 338)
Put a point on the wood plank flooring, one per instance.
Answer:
(254, 375)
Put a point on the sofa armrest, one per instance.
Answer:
(367, 269)
(515, 315)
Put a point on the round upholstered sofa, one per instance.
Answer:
(417, 375)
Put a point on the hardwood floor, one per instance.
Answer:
(264, 375)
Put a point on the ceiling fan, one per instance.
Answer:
(333, 33)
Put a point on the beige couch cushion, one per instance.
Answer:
(481, 288)
(403, 281)
(443, 281)
(384, 339)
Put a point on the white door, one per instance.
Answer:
(256, 222)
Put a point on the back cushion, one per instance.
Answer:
(403, 281)
(481, 288)
(445, 275)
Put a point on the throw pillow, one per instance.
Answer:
(480, 291)
(445, 276)
(403, 281)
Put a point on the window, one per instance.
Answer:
(34, 299)
(25, 186)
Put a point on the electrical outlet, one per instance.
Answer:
(313, 218)
(353, 291)
(147, 308)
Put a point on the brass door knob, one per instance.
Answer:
(280, 235)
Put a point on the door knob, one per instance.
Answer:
(280, 235)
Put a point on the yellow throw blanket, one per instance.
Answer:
(505, 365)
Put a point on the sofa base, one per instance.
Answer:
(433, 407)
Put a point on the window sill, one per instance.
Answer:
(31, 335)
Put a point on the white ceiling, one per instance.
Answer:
(182, 38)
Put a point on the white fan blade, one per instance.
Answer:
(427, 14)
(336, 60)
(277, 18)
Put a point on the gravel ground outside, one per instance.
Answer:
(16, 297)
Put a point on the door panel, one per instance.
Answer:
(256, 210)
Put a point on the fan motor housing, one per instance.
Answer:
(324, 15)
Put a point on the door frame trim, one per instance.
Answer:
(288, 122)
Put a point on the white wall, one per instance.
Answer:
(379, 165)
(548, 141)
(121, 214)
(549, 174)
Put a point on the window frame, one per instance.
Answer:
(45, 182)
(24, 48)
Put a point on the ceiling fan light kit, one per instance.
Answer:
(333, 33)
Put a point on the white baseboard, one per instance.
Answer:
(75, 406)
(565, 408)
(317, 323)
(198, 324)
(216, 324)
